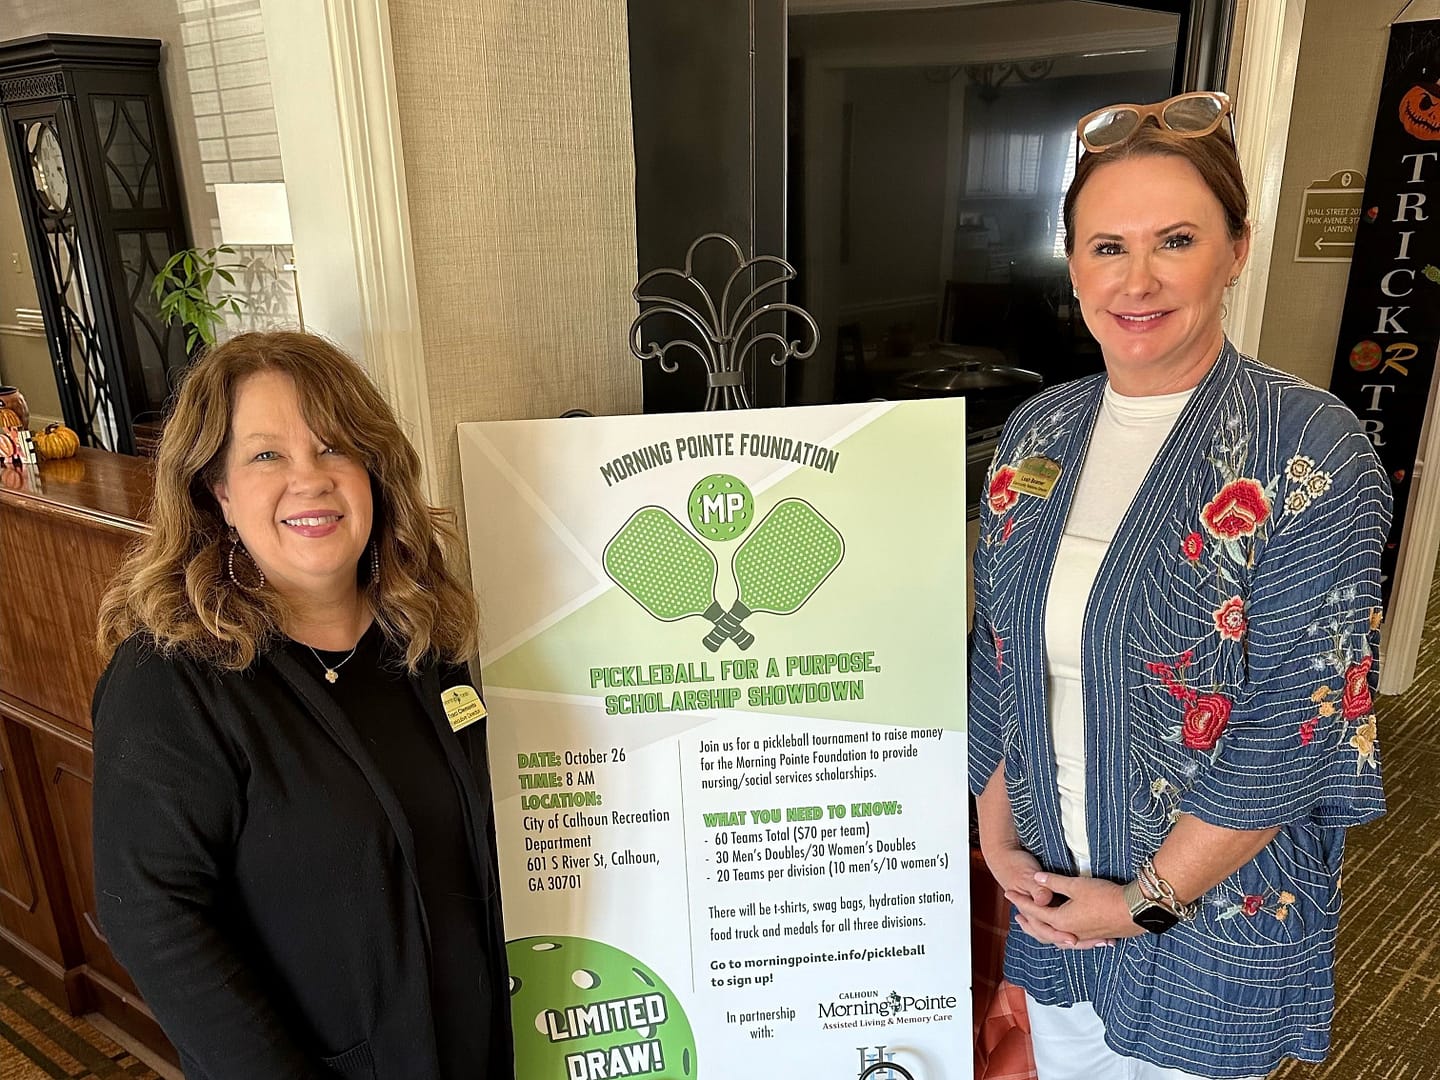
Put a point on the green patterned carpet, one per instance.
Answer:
(1387, 1022)
(38, 1042)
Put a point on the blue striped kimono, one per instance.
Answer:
(1228, 671)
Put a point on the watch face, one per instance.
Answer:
(49, 167)
(1155, 918)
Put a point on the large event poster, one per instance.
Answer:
(725, 665)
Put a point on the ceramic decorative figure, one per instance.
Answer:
(11, 398)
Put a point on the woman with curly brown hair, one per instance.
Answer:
(294, 850)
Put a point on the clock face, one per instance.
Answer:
(49, 167)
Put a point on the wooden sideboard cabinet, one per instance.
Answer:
(64, 527)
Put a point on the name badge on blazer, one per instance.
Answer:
(462, 706)
(1036, 476)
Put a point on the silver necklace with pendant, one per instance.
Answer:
(332, 674)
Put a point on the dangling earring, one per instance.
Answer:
(375, 563)
(237, 545)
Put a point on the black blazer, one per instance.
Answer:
(255, 874)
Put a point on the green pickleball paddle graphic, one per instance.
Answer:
(553, 979)
(721, 507)
(663, 566)
(781, 564)
(665, 569)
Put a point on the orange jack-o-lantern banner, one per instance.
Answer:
(1420, 111)
(1385, 356)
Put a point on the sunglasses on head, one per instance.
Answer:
(1191, 116)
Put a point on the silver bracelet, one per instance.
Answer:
(1162, 892)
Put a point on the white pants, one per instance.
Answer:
(1070, 1045)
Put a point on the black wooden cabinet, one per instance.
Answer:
(89, 144)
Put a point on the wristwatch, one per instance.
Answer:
(1148, 914)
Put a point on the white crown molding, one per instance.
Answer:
(1263, 99)
(364, 70)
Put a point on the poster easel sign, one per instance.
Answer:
(725, 668)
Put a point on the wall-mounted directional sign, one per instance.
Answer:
(1329, 215)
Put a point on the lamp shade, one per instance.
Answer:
(253, 214)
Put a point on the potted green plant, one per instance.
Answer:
(182, 288)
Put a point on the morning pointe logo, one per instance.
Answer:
(893, 1004)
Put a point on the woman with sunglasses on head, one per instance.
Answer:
(1173, 663)
(294, 849)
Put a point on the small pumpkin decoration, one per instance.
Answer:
(10, 418)
(57, 441)
(1420, 111)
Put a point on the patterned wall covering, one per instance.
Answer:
(520, 168)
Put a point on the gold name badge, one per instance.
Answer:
(1036, 476)
(462, 706)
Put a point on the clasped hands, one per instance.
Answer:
(1095, 915)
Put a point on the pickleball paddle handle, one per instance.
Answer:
(728, 626)
(714, 639)
(738, 634)
(717, 635)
